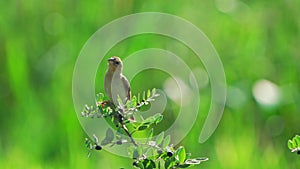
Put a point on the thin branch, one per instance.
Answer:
(129, 135)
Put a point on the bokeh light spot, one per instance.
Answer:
(236, 98)
(266, 93)
(171, 87)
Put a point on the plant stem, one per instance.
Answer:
(129, 135)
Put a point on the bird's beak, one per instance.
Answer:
(111, 59)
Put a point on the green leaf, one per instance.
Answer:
(296, 139)
(159, 138)
(88, 143)
(294, 143)
(150, 153)
(135, 154)
(150, 135)
(134, 101)
(142, 127)
(155, 154)
(152, 165)
(144, 96)
(148, 93)
(170, 162)
(290, 144)
(153, 119)
(99, 97)
(130, 151)
(139, 151)
(202, 159)
(180, 154)
(109, 137)
(138, 164)
(158, 118)
(195, 160)
(166, 141)
(148, 164)
(192, 161)
(153, 91)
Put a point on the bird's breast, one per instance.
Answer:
(114, 88)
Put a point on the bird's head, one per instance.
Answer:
(115, 64)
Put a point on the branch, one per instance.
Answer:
(129, 135)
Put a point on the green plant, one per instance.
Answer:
(153, 153)
(294, 144)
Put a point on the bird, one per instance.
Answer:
(116, 84)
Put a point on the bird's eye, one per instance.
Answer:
(117, 62)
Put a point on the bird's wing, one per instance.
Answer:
(107, 85)
(126, 86)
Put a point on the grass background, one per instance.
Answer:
(39, 44)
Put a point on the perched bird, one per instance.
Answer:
(115, 83)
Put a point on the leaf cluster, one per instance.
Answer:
(294, 144)
(159, 154)
(152, 153)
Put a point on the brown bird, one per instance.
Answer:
(115, 83)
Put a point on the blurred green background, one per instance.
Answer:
(258, 43)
